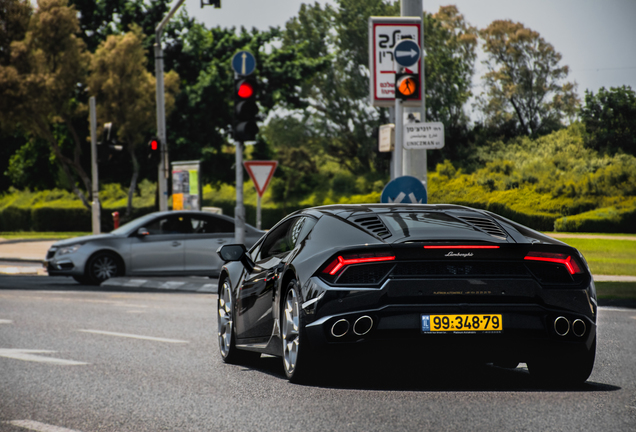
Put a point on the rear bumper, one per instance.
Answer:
(390, 322)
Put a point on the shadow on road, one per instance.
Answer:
(411, 376)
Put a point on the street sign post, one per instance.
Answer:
(406, 190)
(261, 173)
(427, 136)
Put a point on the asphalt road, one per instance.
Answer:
(89, 359)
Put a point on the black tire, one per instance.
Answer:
(572, 369)
(298, 359)
(226, 331)
(103, 266)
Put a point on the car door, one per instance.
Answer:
(208, 233)
(255, 300)
(161, 251)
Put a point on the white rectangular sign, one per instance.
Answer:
(387, 138)
(424, 136)
(384, 34)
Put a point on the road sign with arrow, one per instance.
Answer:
(407, 53)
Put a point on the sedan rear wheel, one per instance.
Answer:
(103, 266)
(296, 350)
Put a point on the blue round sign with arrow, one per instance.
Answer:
(404, 190)
(243, 63)
(407, 52)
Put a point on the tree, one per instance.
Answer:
(125, 93)
(201, 126)
(40, 84)
(337, 108)
(524, 80)
(450, 44)
(610, 119)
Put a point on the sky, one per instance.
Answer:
(597, 38)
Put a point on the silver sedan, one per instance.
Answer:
(158, 244)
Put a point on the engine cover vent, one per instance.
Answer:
(373, 224)
(486, 225)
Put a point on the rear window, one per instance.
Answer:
(421, 223)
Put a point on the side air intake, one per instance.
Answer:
(373, 224)
(486, 225)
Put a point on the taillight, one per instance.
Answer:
(341, 262)
(570, 263)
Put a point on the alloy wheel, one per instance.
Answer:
(225, 320)
(104, 267)
(291, 340)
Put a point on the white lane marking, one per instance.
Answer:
(134, 336)
(29, 355)
(39, 427)
(5, 321)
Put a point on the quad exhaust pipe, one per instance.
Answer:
(579, 327)
(361, 326)
(562, 327)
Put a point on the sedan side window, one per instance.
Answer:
(208, 225)
(172, 224)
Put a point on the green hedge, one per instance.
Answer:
(61, 219)
(616, 219)
(269, 215)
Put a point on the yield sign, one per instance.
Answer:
(261, 173)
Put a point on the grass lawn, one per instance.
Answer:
(607, 257)
(40, 235)
(616, 290)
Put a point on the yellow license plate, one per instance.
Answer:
(468, 323)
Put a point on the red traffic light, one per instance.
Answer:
(245, 90)
(154, 144)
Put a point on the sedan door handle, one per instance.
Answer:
(176, 243)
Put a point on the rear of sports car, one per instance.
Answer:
(453, 281)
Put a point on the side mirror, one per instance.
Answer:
(236, 252)
(142, 232)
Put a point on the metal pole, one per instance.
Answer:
(95, 206)
(239, 210)
(163, 172)
(258, 212)
(399, 132)
(415, 160)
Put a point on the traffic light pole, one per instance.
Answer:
(398, 165)
(162, 178)
(239, 210)
(414, 161)
(95, 206)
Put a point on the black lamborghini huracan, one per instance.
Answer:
(435, 278)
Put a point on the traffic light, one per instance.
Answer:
(245, 109)
(154, 150)
(407, 86)
(108, 147)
